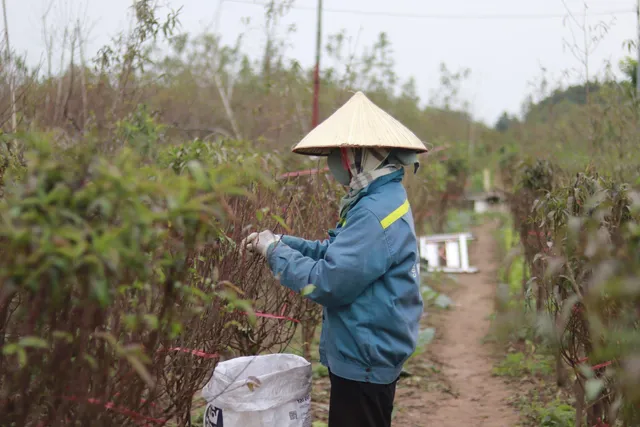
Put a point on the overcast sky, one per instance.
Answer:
(505, 43)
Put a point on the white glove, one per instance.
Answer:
(260, 243)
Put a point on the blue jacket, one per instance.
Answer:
(366, 276)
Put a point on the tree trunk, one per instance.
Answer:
(83, 78)
(542, 295)
(308, 333)
(561, 373)
(226, 103)
(578, 392)
(56, 111)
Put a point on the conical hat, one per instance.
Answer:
(359, 123)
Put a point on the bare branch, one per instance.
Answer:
(12, 89)
(56, 111)
(83, 76)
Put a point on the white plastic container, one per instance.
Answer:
(260, 391)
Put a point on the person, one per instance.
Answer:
(366, 274)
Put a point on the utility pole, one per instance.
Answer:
(308, 330)
(638, 48)
(316, 74)
(10, 73)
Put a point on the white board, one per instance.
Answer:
(480, 206)
(429, 252)
(454, 248)
(453, 254)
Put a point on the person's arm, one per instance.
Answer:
(356, 258)
(308, 248)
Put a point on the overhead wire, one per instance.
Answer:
(490, 16)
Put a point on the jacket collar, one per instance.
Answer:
(377, 183)
(371, 188)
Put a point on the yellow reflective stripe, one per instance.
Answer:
(342, 222)
(395, 215)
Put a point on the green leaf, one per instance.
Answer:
(593, 387)
(151, 320)
(33, 342)
(109, 339)
(91, 361)
(130, 322)
(133, 353)
(260, 213)
(443, 301)
(22, 357)
(63, 335)
(103, 205)
(280, 221)
(253, 383)
(10, 349)
(230, 285)
(142, 370)
(232, 323)
(586, 371)
(426, 336)
(100, 290)
(176, 330)
(307, 290)
(16, 349)
(198, 173)
(320, 371)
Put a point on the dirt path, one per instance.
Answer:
(466, 394)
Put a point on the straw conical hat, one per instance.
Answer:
(359, 123)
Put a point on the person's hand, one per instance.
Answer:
(260, 242)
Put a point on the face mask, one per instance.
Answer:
(405, 158)
(334, 161)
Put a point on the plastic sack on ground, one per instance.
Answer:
(260, 391)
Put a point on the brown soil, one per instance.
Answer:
(452, 384)
(470, 395)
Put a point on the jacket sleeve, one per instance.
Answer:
(354, 260)
(308, 248)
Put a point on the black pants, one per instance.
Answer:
(356, 404)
